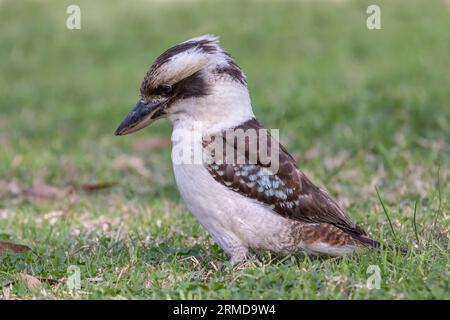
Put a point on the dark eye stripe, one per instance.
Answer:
(164, 89)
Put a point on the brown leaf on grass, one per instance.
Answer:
(31, 282)
(152, 143)
(38, 190)
(97, 186)
(41, 190)
(9, 282)
(8, 246)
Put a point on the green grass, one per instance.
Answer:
(359, 109)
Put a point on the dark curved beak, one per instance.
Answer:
(141, 116)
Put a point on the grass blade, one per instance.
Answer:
(414, 222)
(386, 213)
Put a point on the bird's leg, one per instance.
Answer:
(238, 254)
(232, 245)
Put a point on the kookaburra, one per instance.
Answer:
(245, 206)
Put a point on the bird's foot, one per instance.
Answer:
(238, 255)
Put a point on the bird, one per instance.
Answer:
(248, 206)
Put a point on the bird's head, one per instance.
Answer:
(195, 81)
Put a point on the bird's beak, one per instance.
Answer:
(141, 116)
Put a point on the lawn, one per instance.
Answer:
(360, 110)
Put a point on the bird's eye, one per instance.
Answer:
(164, 89)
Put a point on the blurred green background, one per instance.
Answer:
(358, 108)
(314, 70)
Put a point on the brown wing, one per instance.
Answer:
(287, 191)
